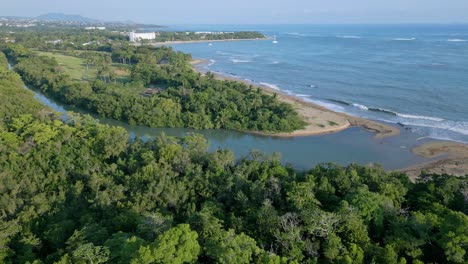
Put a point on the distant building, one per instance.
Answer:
(93, 28)
(8, 40)
(134, 37)
(91, 43)
(58, 41)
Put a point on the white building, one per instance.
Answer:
(54, 41)
(91, 43)
(134, 37)
(93, 28)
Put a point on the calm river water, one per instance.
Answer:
(353, 145)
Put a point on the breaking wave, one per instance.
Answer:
(438, 127)
(420, 117)
(392, 113)
(240, 60)
(349, 37)
(269, 85)
(404, 39)
(360, 106)
(211, 63)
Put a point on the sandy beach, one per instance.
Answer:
(451, 158)
(320, 119)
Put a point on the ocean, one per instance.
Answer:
(410, 75)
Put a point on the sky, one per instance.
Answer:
(170, 12)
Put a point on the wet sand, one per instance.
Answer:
(320, 119)
(451, 159)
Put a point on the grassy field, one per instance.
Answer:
(76, 68)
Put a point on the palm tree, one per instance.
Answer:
(210, 76)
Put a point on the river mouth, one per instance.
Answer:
(353, 145)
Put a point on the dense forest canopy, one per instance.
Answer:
(181, 97)
(82, 192)
(46, 38)
(12, 94)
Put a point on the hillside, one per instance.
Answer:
(65, 17)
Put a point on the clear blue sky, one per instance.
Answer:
(250, 11)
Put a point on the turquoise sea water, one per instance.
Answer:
(416, 75)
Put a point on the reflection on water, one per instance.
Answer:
(353, 145)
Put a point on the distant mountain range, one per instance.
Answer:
(81, 20)
(65, 17)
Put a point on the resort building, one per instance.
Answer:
(93, 28)
(58, 41)
(134, 37)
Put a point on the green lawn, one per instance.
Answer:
(75, 67)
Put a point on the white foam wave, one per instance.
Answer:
(404, 39)
(302, 95)
(331, 106)
(240, 60)
(458, 127)
(360, 106)
(349, 37)
(456, 40)
(224, 53)
(297, 34)
(436, 119)
(272, 86)
(434, 127)
(211, 63)
(439, 128)
(303, 35)
(437, 64)
(408, 116)
(436, 133)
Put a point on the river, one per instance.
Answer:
(354, 145)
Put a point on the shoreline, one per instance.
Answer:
(158, 44)
(451, 158)
(448, 157)
(321, 120)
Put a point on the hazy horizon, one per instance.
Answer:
(250, 12)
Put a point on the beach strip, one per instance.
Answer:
(320, 120)
(451, 158)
